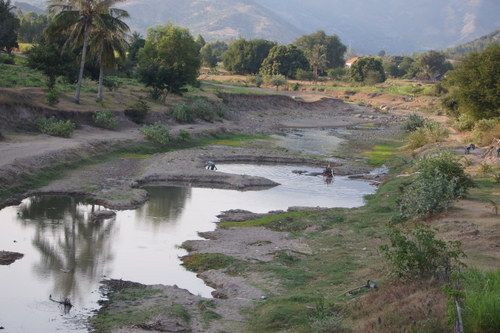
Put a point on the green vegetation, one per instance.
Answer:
(109, 318)
(368, 70)
(56, 127)
(284, 60)
(246, 57)
(413, 123)
(276, 80)
(480, 299)
(105, 119)
(473, 85)
(156, 133)
(439, 181)
(181, 312)
(486, 131)
(9, 27)
(432, 132)
(201, 262)
(198, 108)
(417, 254)
(91, 23)
(207, 311)
(168, 61)
(381, 153)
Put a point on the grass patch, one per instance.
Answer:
(486, 190)
(481, 301)
(238, 140)
(207, 311)
(380, 154)
(181, 312)
(109, 317)
(201, 262)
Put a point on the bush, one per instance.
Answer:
(295, 86)
(485, 131)
(52, 97)
(156, 133)
(110, 83)
(184, 136)
(413, 123)
(256, 80)
(432, 132)
(338, 74)
(105, 119)
(204, 110)
(183, 113)
(418, 254)
(304, 75)
(138, 111)
(277, 80)
(480, 298)
(440, 180)
(465, 122)
(7, 59)
(55, 127)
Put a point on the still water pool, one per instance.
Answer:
(67, 256)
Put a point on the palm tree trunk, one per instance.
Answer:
(101, 79)
(86, 37)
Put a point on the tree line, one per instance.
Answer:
(90, 38)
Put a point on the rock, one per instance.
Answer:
(174, 325)
(7, 258)
(237, 215)
(102, 215)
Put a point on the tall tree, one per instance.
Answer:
(284, 60)
(433, 65)
(246, 56)
(317, 59)
(9, 25)
(169, 60)
(109, 42)
(475, 84)
(79, 17)
(335, 50)
(32, 27)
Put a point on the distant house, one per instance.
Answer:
(351, 61)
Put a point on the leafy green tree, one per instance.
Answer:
(200, 42)
(135, 44)
(368, 70)
(32, 26)
(284, 60)
(277, 80)
(246, 57)
(208, 57)
(78, 18)
(334, 48)
(317, 59)
(108, 43)
(169, 60)
(408, 68)
(9, 26)
(48, 57)
(432, 65)
(475, 84)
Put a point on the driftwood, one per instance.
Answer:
(66, 301)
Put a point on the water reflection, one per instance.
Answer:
(164, 205)
(66, 255)
(73, 251)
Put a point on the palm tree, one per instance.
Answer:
(109, 42)
(78, 18)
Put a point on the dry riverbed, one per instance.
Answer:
(223, 258)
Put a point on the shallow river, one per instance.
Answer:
(66, 256)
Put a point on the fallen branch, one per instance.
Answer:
(66, 302)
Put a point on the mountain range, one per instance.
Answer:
(367, 26)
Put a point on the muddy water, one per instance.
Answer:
(321, 142)
(67, 256)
